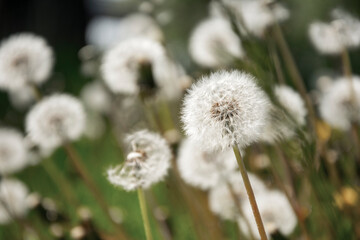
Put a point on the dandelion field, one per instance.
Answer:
(224, 119)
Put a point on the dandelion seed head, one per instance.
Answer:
(336, 105)
(21, 98)
(24, 59)
(204, 169)
(54, 120)
(276, 213)
(214, 44)
(13, 151)
(225, 109)
(13, 195)
(95, 97)
(258, 15)
(122, 66)
(292, 102)
(343, 32)
(147, 162)
(221, 200)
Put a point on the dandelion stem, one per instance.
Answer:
(294, 72)
(345, 58)
(250, 193)
(61, 181)
(144, 214)
(85, 176)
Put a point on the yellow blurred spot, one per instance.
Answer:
(323, 131)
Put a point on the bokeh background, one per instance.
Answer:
(63, 24)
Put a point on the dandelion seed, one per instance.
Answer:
(55, 120)
(225, 109)
(336, 105)
(140, 65)
(221, 200)
(25, 59)
(147, 162)
(343, 32)
(203, 169)
(95, 97)
(276, 213)
(22, 98)
(106, 32)
(292, 102)
(214, 44)
(13, 203)
(13, 151)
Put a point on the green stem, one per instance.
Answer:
(144, 213)
(345, 58)
(250, 194)
(85, 176)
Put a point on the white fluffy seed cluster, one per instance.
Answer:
(221, 200)
(343, 32)
(54, 120)
(106, 32)
(275, 210)
(120, 67)
(214, 44)
(13, 151)
(339, 107)
(13, 194)
(292, 102)
(147, 163)
(204, 169)
(224, 109)
(24, 59)
(95, 97)
(276, 213)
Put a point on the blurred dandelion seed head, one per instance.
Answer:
(13, 151)
(204, 169)
(25, 59)
(54, 120)
(13, 195)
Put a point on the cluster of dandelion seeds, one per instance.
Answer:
(147, 162)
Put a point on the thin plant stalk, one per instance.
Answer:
(277, 64)
(85, 176)
(345, 58)
(294, 72)
(250, 193)
(144, 214)
(60, 180)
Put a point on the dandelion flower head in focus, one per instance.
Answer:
(147, 163)
(55, 120)
(25, 59)
(224, 109)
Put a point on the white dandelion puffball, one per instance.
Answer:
(343, 32)
(214, 44)
(13, 151)
(106, 32)
(258, 15)
(204, 169)
(54, 120)
(276, 213)
(13, 194)
(24, 59)
(121, 67)
(22, 98)
(147, 162)
(221, 200)
(95, 97)
(225, 109)
(292, 102)
(336, 105)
